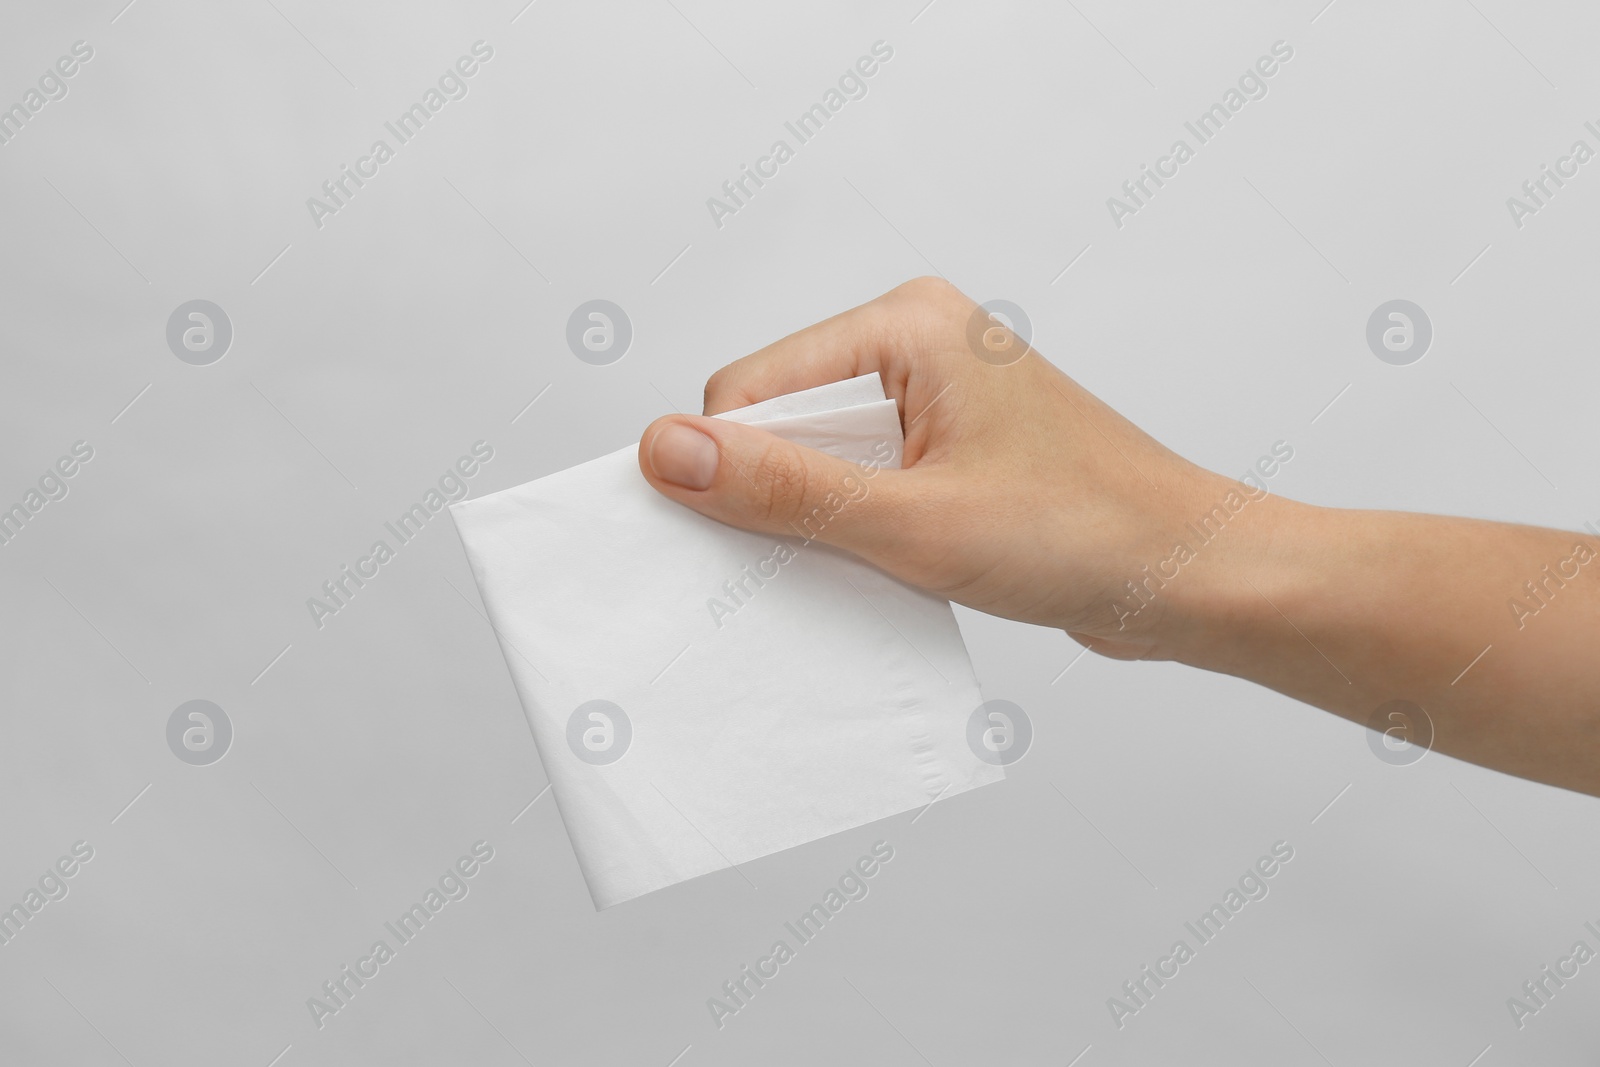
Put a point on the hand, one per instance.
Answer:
(1024, 496)
(1021, 495)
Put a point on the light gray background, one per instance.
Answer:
(370, 354)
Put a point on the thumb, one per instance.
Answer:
(749, 478)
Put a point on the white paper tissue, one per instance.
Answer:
(773, 691)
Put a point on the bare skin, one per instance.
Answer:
(1024, 496)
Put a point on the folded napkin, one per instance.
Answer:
(702, 696)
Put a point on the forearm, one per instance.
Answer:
(1348, 610)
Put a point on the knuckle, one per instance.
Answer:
(926, 289)
(923, 285)
(718, 384)
(927, 307)
(780, 484)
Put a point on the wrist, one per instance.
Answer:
(1246, 558)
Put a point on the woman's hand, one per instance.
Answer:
(1024, 496)
(1021, 495)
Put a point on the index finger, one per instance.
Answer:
(865, 339)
